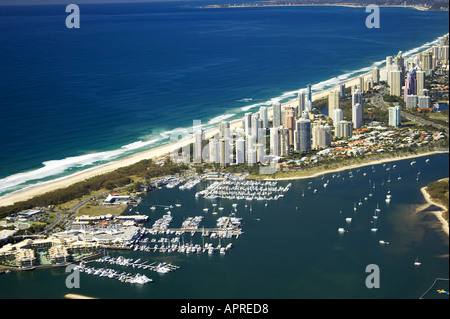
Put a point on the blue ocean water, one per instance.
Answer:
(135, 73)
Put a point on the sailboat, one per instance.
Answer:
(417, 262)
(354, 207)
(178, 204)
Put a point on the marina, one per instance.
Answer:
(244, 190)
(113, 274)
(129, 262)
(298, 229)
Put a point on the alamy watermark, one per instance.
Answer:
(373, 19)
(73, 19)
(373, 279)
(73, 279)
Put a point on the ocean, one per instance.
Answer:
(135, 75)
(289, 249)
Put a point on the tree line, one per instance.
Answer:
(144, 169)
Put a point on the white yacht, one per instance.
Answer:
(417, 262)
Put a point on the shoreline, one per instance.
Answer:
(353, 166)
(158, 152)
(155, 153)
(437, 213)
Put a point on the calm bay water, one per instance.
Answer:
(135, 73)
(291, 248)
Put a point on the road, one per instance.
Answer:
(377, 100)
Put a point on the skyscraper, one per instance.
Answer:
(276, 107)
(224, 129)
(357, 112)
(361, 84)
(388, 69)
(240, 151)
(395, 115)
(251, 150)
(412, 101)
(224, 151)
(254, 130)
(199, 143)
(247, 123)
(376, 75)
(357, 98)
(274, 141)
(301, 103)
(410, 84)
(334, 102)
(344, 129)
(302, 135)
(284, 141)
(399, 62)
(214, 152)
(420, 81)
(289, 124)
(427, 62)
(321, 136)
(338, 115)
(309, 96)
(395, 86)
(263, 116)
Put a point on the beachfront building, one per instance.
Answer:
(342, 89)
(247, 121)
(302, 135)
(395, 83)
(399, 63)
(240, 151)
(344, 129)
(427, 62)
(357, 97)
(334, 102)
(224, 129)
(395, 116)
(255, 125)
(251, 150)
(361, 84)
(274, 141)
(309, 93)
(410, 84)
(263, 116)
(389, 68)
(289, 124)
(357, 112)
(338, 115)
(321, 136)
(214, 155)
(375, 75)
(199, 144)
(276, 109)
(420, 82)
(301, 103)
(224, 152)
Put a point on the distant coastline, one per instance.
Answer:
(294, 4)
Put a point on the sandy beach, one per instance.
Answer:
(438, 213)
(155, 153)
